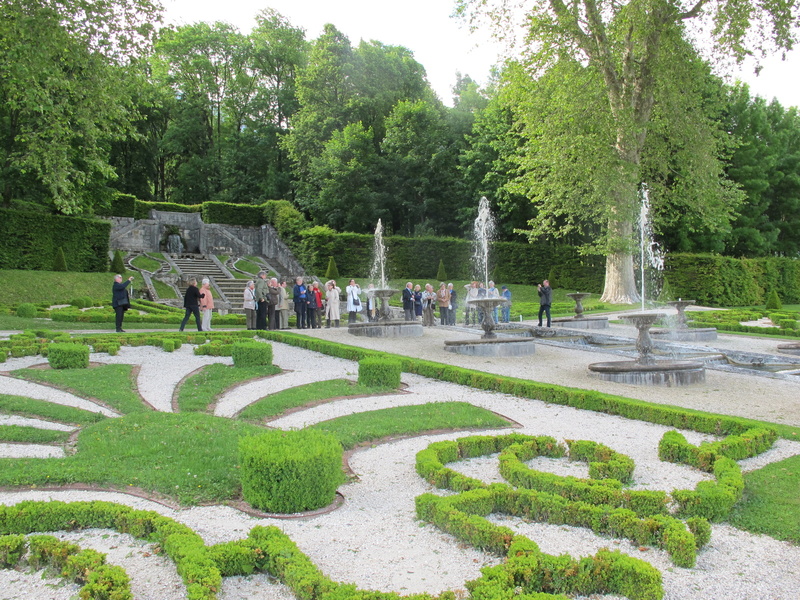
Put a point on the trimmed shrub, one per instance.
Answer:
(168, 345)
(120, 205)
(117, 264)
(251, 354)
(774, 301)
(232, 214)
(68, 356)
(60, 261)
(379, 372)
(441, 274)
(26, 310)
(331, 272)
(290, 471)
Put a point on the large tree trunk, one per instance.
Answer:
(620, 285)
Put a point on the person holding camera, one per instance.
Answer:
(545, 300)
(120, 299)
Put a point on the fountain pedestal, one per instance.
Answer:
(580, 321)
(646, 370)
(490, 344)
(681, 332)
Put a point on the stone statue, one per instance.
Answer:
(174, 244)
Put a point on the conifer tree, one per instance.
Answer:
(332, 272)
(60, 261)
(117, 265)
(441, 274)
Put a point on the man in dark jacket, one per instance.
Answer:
(545, 300)
(408, 302)
(191, 302)
(120, 300)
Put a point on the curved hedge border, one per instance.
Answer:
(595, 504)
(87, 567)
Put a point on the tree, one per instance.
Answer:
(61, 62)
(631, 47)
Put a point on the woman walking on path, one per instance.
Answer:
(191, 302)
(353, 301)
(206, 304)
(249, 305)
(332, 309)
(453, 304)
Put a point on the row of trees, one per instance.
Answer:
(93, 97)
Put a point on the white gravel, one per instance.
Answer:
(20, 387)
(374, 539)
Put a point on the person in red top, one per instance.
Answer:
(314, 305)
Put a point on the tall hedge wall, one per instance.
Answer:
(419, 257)
(30, 240)
(727, 281)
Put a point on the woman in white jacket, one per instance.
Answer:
(332, 310)
(353, 300)
(249, 304)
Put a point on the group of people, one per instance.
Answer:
(266, 303)
(474, 315)
(422, 303)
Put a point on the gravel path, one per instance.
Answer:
(374, 539)
(20, 387)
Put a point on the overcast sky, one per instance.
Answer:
(439, 42)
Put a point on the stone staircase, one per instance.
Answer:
(226, 287)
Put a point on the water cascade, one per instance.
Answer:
(650, 253)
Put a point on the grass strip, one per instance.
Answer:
(190, 457)
(407, 420)
(198, 391)
(279, 402)
(32, 435)
(112, 384)
(771, 502)
(41, 409)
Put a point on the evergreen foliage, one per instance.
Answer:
(331, 272)
(774, 301)
(117, 264)
(441, 274)
(60, 261)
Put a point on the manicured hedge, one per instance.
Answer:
(290, 471)
(379, 372)
(68, 356)
(142, 209)
(121, 205)
(29, 240)
(251, 354)
(725, 281)
(249, 215)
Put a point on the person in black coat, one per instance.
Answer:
(408, 302)
(545, 300)
(120, 300)
(191, 302)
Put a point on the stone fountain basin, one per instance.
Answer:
(667, 373)
(694, 334)
(386, 329)
(492, 347)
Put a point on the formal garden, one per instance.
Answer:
(121, 432)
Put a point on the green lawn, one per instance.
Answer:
(56, 287)
(771, 501)
(113, 384)
(40, 409)
(302, 395)
(204, 387)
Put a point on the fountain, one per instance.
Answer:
(681, 332)
(579, 321)
(384, 325)
(650, 251)
(646, 370)
(489, 344)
